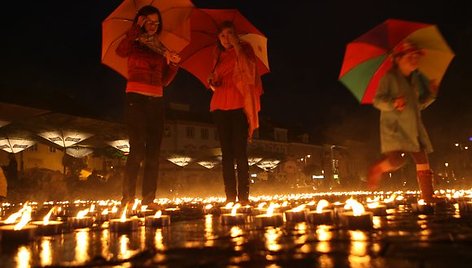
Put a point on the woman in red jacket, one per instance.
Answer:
(151, 67)
(235, 103)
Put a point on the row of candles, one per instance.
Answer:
(351, 214)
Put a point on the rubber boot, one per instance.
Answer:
(425, 182)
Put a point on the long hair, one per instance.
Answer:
(148, 10)
(224, 25)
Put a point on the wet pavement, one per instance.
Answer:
(405, 236)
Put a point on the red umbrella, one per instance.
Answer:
(175, 34)
(197, 57)
(367, 58)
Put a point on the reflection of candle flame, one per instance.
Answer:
(23, 258)
(46, 251)
(235, 209)
(81, 214)
(158, 214)
(321, 205)
(25, 218)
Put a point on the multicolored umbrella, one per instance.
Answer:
(367, 58)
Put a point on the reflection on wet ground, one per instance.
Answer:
(402, 237)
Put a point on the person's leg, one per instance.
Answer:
(389, 162)
(424, 175)
(240, 131)
(154, 131)
(134, 115)
(223, 124)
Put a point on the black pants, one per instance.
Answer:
(145, 123)
(233, 133)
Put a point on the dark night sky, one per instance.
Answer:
(51, 59)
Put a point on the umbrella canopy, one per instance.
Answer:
(65, 138)
(197, 57)
(367, 58)
(122, 145)
(15, 145)
(175, 33)
(78, 151)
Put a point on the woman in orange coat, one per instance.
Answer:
(235, 103)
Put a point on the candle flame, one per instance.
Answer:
(208, 206)
(25, 218)
(229, 205)
(235, 209)
(261, 205)
(421, 202)
(135, 204)
(105, 211)
(123, 215)
(81, 214)
(357, 209)
(15, 216)
(92, 208)
(158, 214)
(144, 208)
(299, 208)
(373, 205)
(270, 209)
(114, 209)
(321, 205)
(46, 218)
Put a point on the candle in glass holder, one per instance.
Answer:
(321, 216)
(270, 218)
(297, 214)
(158, 220)
(358, 218)
(233, 218)
(123, 224)
(81, 220)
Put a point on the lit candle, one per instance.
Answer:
(422, 207)
(81, 220)
(124, 224)
(158, 220)
(270, 218)
(321, 215)
(20, 232)
(377, 209)
(297, 214)
(233, 218)
(48, 227)
(358, 218)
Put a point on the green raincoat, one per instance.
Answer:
(403, 130)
